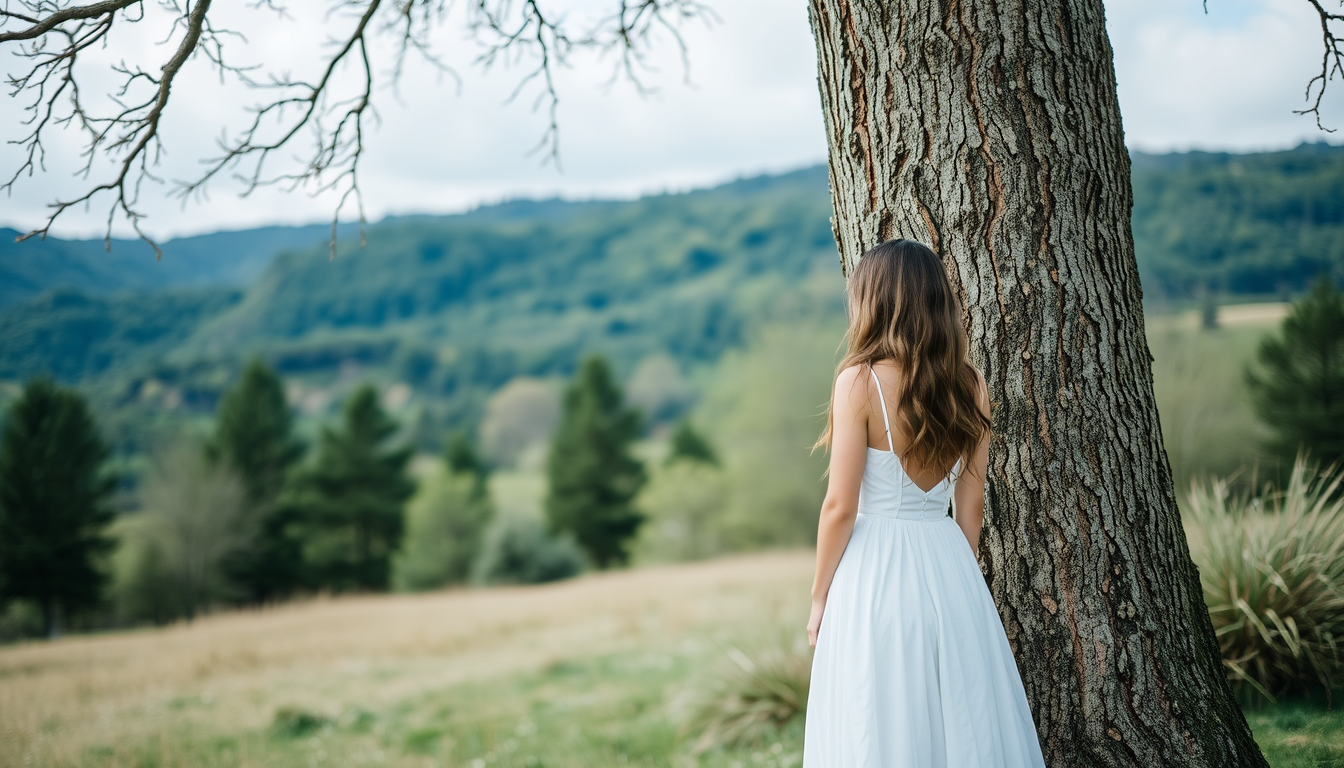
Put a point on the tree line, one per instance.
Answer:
(252, 515)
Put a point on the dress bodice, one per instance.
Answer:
(887, 490)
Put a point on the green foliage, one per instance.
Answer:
(1272, 568)
(196, 512)
(54, 502)
(348, 503)
(593, 475)
(143, 585)
(766, 406)
(461, 457)
(294, 723)
(685, 502)
(254, 435)
(689, 445)
(458, 306)
(73, 336)
(519, 550)
(519, 417)
(445, 522)
(1300, 391)
(1238, 224)
(36, 265)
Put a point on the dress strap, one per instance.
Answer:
(891, 445)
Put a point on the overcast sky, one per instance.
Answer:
(1226, 80)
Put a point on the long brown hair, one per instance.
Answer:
(902, 308)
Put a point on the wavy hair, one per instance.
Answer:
(902, 308)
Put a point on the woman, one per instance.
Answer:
(912, 667)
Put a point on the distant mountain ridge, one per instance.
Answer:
(455, 306)
(1255, 223)
(219, 259)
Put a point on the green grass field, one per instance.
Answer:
(1208, 425)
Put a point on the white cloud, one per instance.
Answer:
(1229, 79)
(1226, 80)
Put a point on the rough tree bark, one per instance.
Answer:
(990, 129)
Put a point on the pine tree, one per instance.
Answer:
(445, 522)
(254, 435)
(461, 457)
(690, 445)
(1299, 393)
(593, 476)
(54, 502)
(349, 502)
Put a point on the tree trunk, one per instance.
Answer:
(990, 129)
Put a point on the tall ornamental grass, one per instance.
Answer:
(1272, 569)
(750, 697)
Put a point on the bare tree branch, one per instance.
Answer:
(1332, 61)
(328, 111)
(338, 149)
(131, 134)
(41, 26)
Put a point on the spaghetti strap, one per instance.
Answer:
(891, 444)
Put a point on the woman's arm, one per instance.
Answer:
(849, 452)
(969, 495)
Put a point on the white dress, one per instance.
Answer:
(912, 667)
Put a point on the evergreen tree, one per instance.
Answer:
(254, 435)
(349, 502)
(690, 445)
(461, 457)
(1300, 391)
(445, 522)
(54, 502)
(593, 476)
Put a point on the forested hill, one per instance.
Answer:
(1238, 224)
(218, 259)
(1230, 223)
(454, 306)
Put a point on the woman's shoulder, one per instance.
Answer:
(851, 383)
(852, 373)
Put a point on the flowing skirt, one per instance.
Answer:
(912, 667)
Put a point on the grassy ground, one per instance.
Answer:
(1208, 425)
(586, 673)
(1300, 735)
(582, 673)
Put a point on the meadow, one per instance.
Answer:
(591, 672)
(581, 673)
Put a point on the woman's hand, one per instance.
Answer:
(814, 621)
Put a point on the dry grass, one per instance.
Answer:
(59, 700)
(751, 694)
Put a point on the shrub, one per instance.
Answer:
(751, 696)
(685, 502)
(444, 524)
(1272, 569)
(519, 550)
(293, 723)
